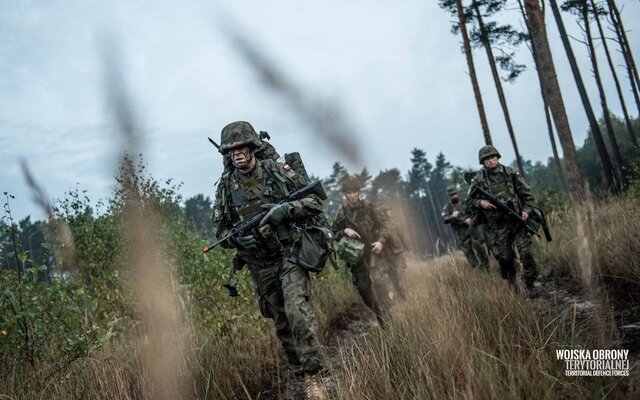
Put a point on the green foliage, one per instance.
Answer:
(198, 211)
(47, 326)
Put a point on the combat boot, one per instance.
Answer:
(314, 387)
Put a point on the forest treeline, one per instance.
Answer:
(418, 194)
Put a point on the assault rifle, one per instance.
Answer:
(241, 228)
(529, 225)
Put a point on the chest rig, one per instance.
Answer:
(247, 194)
(501, 185)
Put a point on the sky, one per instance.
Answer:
(394, 69)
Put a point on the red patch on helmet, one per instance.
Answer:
(287, 167)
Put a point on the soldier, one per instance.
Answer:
(394, 252)
(360, 221)
(467, 232)
(510, 188)
(282, 286)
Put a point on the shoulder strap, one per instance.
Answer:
(272, 170)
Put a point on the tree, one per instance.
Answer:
(593, 122)
(597, 11)
(417, 191)
(487, 35)
(198, 211)
(455, 8)
(437, 188)
(632, 71)
(419, 173)
(332, 186)
(581, 8)
(547, 71)
(386, 188)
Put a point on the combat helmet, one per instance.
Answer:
(236, 134)
(452, 190)
(351, 185)
(487, 151)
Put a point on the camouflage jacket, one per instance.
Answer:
(240, 196)
(508, 186)
(365, 219)
(457, 223)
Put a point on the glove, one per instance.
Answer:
(247, 242)
(277, 214)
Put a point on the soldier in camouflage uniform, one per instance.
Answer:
(282, 286)
(358, 219)
(507, 185)
(394, 252)
(470, 238)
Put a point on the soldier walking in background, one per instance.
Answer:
(505, 232)
(467, 231)
(394, 251)
(362, 236)
(282, 286)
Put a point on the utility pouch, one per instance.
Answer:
(315, 248)
(270, 239)
(350, 250)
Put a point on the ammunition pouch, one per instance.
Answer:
(350, 250)
(314, 249)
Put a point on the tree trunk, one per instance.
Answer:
(617, 156)
(547, 71)
(547, 113)
(626, 51)
(472, 73)
(496, 79)
(429, 240)
(586, 103)
(623, 105)
(626, 43)
(554, 148)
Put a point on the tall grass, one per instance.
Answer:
(461, 333)
(608, 231)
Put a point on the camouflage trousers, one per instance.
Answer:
(396, 273)
(473, 246)
(283, 295)
(371, 281)
(504, 238)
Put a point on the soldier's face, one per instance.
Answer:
(490, 162)
(454, 197)
(352, 197)
(241, 157)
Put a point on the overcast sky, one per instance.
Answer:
(392, 67)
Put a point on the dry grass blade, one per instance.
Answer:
(59, 233)
(162, 338)
(323, 117)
